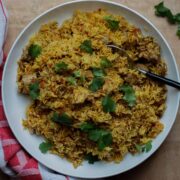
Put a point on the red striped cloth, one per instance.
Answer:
(14, 160)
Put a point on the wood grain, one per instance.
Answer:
(164, 164)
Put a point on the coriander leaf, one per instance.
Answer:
(105, 63)
(177, 17)
(86, 126)
(60, 67)
(104, 141)
(96, 84)
(45, 146)
(138, 147)
(77, 74)
(62, 119)
(96, 134)
(71, 80)
(34, 50)
(148, 146)
(161, 10)
(91, 159)
(87, 46)
(144, 148)
(129, 94)
(108, 104)
(34, 90)
(97, 72)
(102, 137)
(112, 24)
(178, 31)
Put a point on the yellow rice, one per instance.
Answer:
(128, 126)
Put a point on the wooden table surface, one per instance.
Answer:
(164, 164)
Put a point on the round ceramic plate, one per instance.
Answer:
(15, 104)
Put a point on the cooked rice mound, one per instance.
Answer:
(128, 125)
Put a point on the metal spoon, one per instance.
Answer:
(153, 76)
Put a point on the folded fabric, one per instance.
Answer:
(14, 160)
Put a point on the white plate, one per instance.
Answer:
(15, 104)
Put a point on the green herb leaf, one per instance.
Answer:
(105, 63)
(148, 146)
(71, 80)
(178, 31)
(102, 137)
(62, 119)
(77, 74)
(144, 148)
(34, 50)
(97, 72)
(82, 79)
(86, 126)
(87, 46)
(90, 158)
(34, 90)
(161, 10)
(108, 104)
(112, 24)
(96, 84)
(60, 67)
(45, 146)
(129, 94)
(177, 17)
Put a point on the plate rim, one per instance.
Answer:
(78, 1)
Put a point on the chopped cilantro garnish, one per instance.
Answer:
(34, 50)
(108, 104)
(45, 146)
(90, 158)
(144, 148)
(34, 90)
(77, 74)
(102, 137)
(97, 72)
(96, 84)
(178, 31)
(86, 126)
(112, 24)
(87, 46)
(129, 94)
(71, 80)
(62, 119)
(60, 67)
(105, 63)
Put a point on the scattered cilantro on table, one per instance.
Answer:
(45, 146)
(34, 50)
(87, 46)
(112, 24)
(163, 11)
(62, 119)
(129, 94)
(34, 90)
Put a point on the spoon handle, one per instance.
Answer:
(156, 77)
